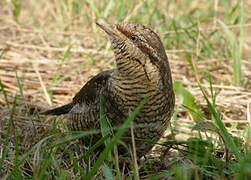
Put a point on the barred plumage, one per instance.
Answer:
(142, 70)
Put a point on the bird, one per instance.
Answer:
(142, 70)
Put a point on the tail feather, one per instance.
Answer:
(59, 110)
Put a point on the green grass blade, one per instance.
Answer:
(236, 52)
(188, 101)
(244, 167)
(105, 128)
(16, 171)
(242, 22)
(16, 8)
(108, 8)
(115, 139)
(212, 91)
(6, 142)
(227, 138)
(94, 8)
(92, 149)
(121, 10)
(45, 165)
(241, 38)
(78, 135)
(5, 94)
(20, 86)
(96, 145)
(67, 53)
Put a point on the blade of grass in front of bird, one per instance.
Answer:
(106, 128)
(115, 139)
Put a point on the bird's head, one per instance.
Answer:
(138, 47)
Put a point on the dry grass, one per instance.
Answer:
(34, 48)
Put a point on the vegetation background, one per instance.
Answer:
(49, 49)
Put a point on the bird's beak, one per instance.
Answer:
(111, 30)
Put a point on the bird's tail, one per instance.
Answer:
(59, 110)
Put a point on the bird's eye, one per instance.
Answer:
(133, 37)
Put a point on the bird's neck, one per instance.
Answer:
(131, 82)
(137, 70)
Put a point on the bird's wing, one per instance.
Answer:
(85, 111)
(88, 93)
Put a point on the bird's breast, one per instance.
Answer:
(128, 93)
